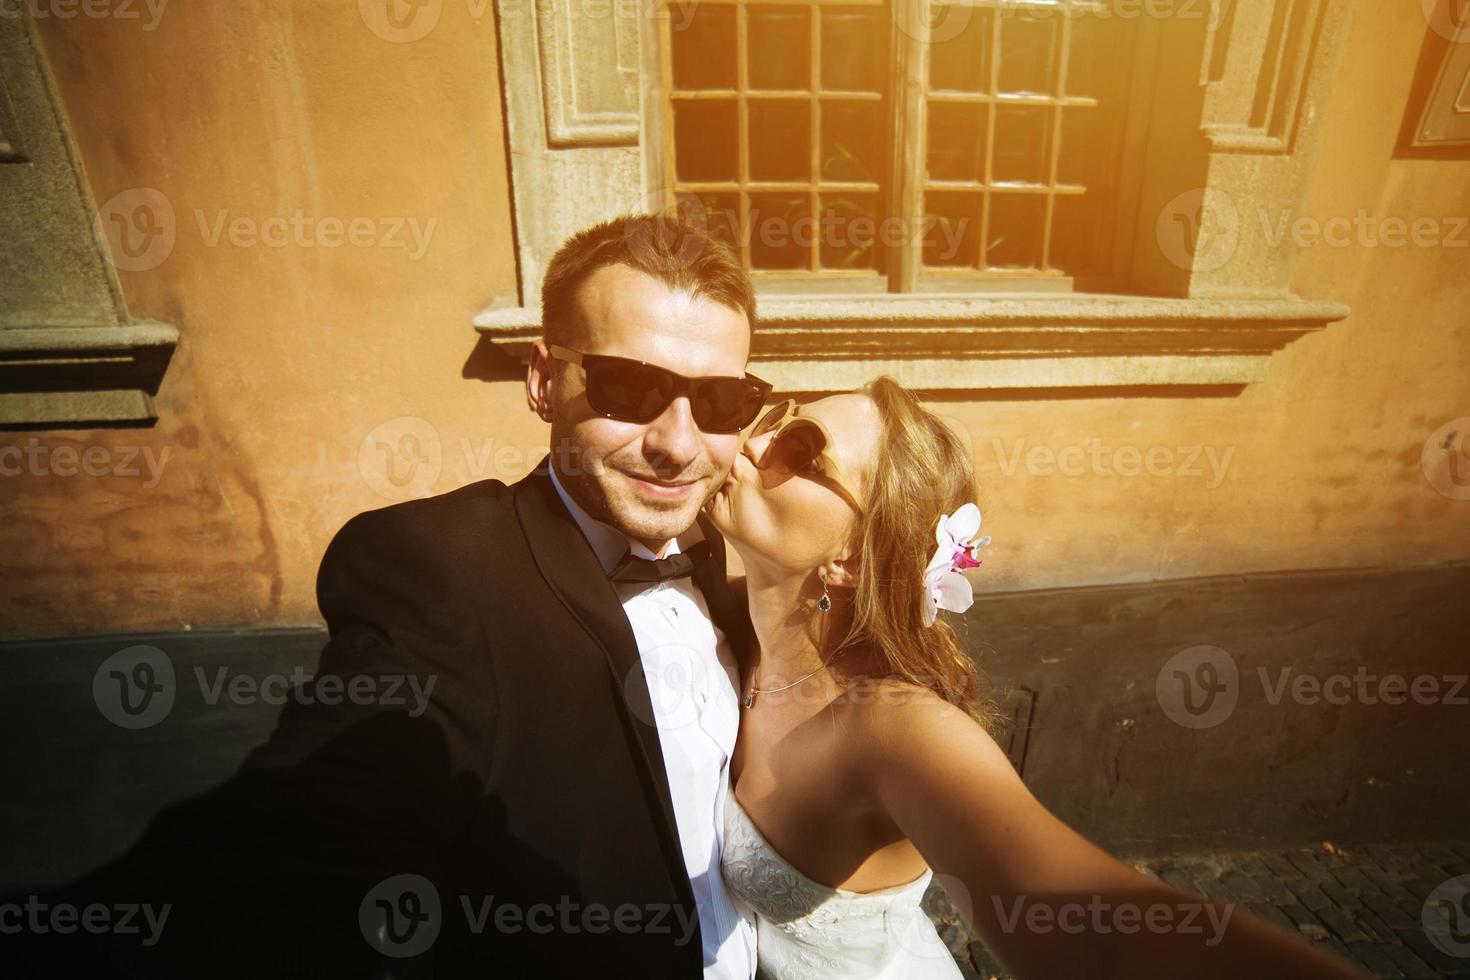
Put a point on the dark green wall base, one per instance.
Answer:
(1079, 668)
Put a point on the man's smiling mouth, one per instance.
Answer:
(663, 488)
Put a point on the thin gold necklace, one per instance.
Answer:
(752, 691)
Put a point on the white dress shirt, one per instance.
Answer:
(692, 680)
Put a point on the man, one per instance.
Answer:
(556, 811)
(667, 296)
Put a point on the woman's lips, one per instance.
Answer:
(731, 479)
(723, 492)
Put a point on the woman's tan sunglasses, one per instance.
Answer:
(799, 441)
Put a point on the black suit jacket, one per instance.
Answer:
(529, 801)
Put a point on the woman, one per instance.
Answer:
(864, 764)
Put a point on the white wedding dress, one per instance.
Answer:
(809, 931)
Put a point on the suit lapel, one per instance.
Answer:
(725, 610)
(571, 569)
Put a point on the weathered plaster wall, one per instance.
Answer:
(314, 381)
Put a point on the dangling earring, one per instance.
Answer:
(824, 603)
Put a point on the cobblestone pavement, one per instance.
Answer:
(1374, 904)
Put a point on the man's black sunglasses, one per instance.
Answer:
(636, 391)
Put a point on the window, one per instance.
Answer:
(1051, 152)
(789, 131)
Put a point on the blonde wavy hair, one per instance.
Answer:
(925, 473)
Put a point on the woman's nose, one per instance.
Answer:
(753, 448)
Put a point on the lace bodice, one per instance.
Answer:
(810, 931)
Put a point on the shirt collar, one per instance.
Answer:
(610, 543)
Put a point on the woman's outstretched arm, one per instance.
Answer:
(1048, 902)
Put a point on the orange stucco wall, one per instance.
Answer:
(317, 380)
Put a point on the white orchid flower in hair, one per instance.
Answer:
(945, 585)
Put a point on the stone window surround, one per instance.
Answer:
(578, 117)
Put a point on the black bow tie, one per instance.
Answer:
(635, 569)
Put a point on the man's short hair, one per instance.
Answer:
(664, 246)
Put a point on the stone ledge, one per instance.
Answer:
(977, 342)
(73, 374)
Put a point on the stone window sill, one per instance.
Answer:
(989, 342)
(76, 375)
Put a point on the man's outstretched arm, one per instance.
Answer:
(269, 870)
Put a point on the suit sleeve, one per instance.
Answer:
(404, 636)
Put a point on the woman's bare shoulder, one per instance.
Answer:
(903, 737)
(890, 706)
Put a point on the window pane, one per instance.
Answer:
(951, 229)
(703, 41)
(780, 140)
(854, 48)
(1028, 52)
(782, 235)
(1016, 225)
(718, 214)
(838, 133)
(780, 46)
(956, 141)
(852, 143)
(1023, 143)
(705, 139)
(960, 57)
(1034, 144)
(849, 231)
(1101, 67)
